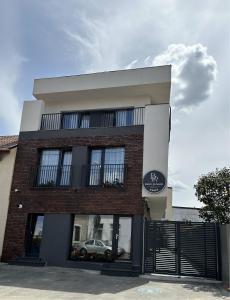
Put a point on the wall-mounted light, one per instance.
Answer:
(16, 191)
(19, 205)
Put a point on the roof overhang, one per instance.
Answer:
(153, 82)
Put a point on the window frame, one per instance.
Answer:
(74, 233)
(59, 166)
(91, 112)
(102, 164)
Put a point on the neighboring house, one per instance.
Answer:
(186, 214)
(8, 148)
(91, 166)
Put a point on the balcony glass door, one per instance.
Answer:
(48, 169)
(107, 166)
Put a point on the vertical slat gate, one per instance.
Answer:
(182, 248)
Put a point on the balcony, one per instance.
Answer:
(52, 176)
(107, 175)
(93, 119)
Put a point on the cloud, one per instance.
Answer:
(193, 73)
(177, 185)
(10, 111)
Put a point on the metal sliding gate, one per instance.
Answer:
(182, 248)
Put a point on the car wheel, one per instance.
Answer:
(108, 253)
(83, 252)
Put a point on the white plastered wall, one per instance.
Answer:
(31, 115)
(156, 144)
(155, 157)
(100, 103)
(161, 207)
(7, 160)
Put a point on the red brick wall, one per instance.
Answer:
(86, 200)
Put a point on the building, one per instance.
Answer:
(180, 213)
(91, 166)
(8, 148)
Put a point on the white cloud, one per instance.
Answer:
(177, 185)
(193, 73)
(10, 112)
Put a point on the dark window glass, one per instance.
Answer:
(85, 121)
(70, 121)
(107, 166)
(54, 168)
(91, 242)
(77, 233)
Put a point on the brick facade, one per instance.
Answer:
(85, 200)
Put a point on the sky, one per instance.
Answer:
(57, 38)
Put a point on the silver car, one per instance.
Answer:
(95, 247)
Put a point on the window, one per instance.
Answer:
(124, 117)
(91, 242)
(107, 166)
(70, 120)
(54, 168)
(85, 121)
(77, 233)
(99, 244)
(95, 240)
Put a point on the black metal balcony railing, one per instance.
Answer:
(105, 175)
(52, 176)
(92, 119)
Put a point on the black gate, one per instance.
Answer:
(182, 248)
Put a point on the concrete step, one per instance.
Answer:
(120, 272)
(28, 261)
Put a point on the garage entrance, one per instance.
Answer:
(182, 248)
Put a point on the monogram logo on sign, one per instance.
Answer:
(154, 182)
(153, 177)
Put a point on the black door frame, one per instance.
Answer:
(31, 221)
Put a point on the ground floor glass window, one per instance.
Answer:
(101, 238)
(95, 237)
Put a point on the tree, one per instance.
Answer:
(213, 190)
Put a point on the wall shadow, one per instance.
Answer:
(66, 280)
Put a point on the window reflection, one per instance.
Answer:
(92, 237)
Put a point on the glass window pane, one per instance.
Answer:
(70, 121)
(95, 239)
(49, 157)
(96, 156)
(85, 121)
(107, 119)
(114, 166)
(124, 117)
(77, 233)
(66, 168)
(114, 155)
(48, 169)
(124, 240)
(95, 167)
